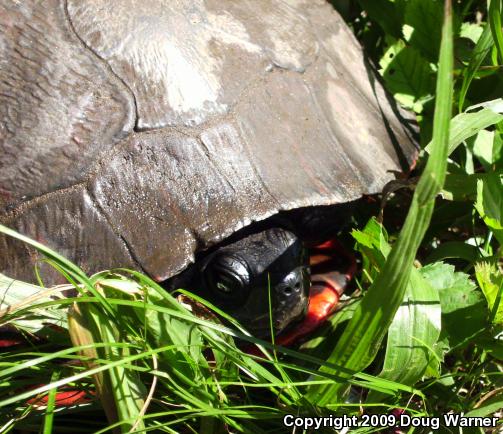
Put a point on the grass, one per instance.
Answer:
(423, 331)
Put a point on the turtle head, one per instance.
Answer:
(240, 277)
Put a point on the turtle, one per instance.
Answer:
(153, 135)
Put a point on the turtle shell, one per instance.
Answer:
(137, 133)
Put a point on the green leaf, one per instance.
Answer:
(492, 346)
(494, 19)
(388, 14)
(460, 187)
(490, 203)
(490, 280)
(463, 309)
(480, 52)
(120, 389)
(164, 329)
(488, 148)
(407, 75)
(463, 186)
(489, 408)
(423, 26)
(16, 295)
(455, 249)
(321, 344)
(497, 152)
(471, 31)
(413, 334)
(372, 243)
(465, 125)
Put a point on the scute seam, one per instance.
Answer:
(115, 231)
(11, 211)
(102, 61)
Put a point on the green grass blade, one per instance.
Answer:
(51, 405)
(480, 52)
(360, 341)
(494, 19)
(67, 266)
(15, 295)
(107, 365)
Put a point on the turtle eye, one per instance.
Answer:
(227, 276)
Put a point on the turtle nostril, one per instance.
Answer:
(291, 285)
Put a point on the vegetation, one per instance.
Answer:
(421, 335)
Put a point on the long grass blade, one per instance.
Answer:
(69, 268)
(480, 52)
(360, 341)
(51, 406)
(495, 24)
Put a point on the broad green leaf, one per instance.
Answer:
(408, 75)
(471, 31)
(119, 283)
(83, 337)
(164, 329)
(490, 203)
(490, 280)
(465, 125)
(388, 14)
(373, 245)
(462, 186)
(423, 26)
(413, 333)
(373, 241)
(464, 313)
(16, 295)
(185, 361)
(488, 148)
(463, 50)
(128, 390)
